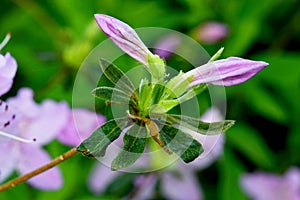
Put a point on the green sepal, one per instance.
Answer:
(156, 67)
(164, 106)
(116, 76)
(217, 55)
(158, 92)
(111, 94)
(145, 95)
(177, 86)
(134, 145)
(184, 145)
(199, 126)
(96, 144)
(194, 91)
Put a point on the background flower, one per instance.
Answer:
(265, 186)
(212, 32)
(39, 122)
(8, 68)
(80, 125)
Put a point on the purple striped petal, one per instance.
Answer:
(124, 37)
(226, 72)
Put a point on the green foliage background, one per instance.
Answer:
(50, 39)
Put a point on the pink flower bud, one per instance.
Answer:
(124, 37)
(226, 72)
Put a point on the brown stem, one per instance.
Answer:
(29, 175)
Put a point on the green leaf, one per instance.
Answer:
(96, 144)
(180, 143)
(134, 145)
(230, 171)
(116, 76)
(111, 94)
(250, 143)
(199, 126)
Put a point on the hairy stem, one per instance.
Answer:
(40, 170)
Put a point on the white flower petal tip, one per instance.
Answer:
(124, 37)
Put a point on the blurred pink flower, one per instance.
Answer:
(39, 122)
(212, 32)
(178, 183)
(266, 186)
(8, 68)
(226, 72)
(166, 46)
(80, 125)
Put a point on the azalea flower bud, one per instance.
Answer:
(124, 37)
(226, 72)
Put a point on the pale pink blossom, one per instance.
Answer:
(39, 122)
(8, 68)
(266, 186)
(80, 125)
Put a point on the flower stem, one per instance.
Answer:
(40, 170)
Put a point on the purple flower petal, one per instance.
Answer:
(181, 187)
(100, 177)
(265, 186)
(42, 122)
(48, 124)
(226, 72)
(124, 37)
(9, 120)
(146, 184)
(8, 159)
(81, 123)
(25, 103)
(8, 68)
(33, 157)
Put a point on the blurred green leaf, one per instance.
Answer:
(249, 142)
(230, 170)
(265, 103)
